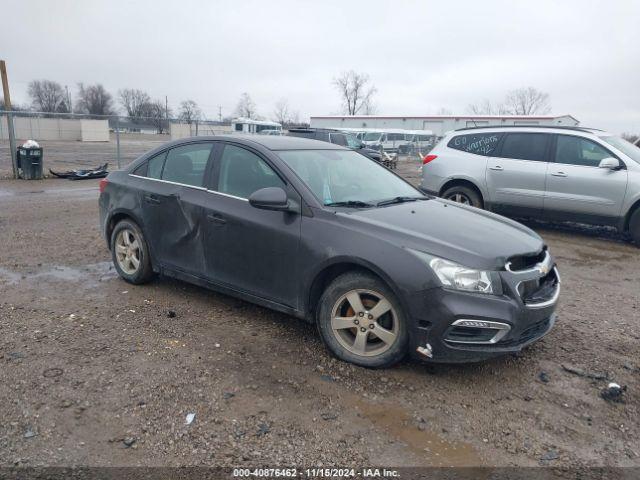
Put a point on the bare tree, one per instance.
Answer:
(94, 99)
(281, 113)
(134, 101)
(527, 101)
(444, 111)
(246, 107)
(355, 92)
(190, 112)
(157, 115)
(48, 96)
(485, 107)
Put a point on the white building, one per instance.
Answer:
(439, 124)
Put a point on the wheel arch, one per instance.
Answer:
(463, 182)
(114, 218)
(627, 219)
(330, 271)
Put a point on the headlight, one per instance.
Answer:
(452, 275)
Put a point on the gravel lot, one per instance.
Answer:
(99, 372)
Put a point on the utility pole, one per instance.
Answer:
(166, 107)
(68, 99)
(220, 113)
(7, 107)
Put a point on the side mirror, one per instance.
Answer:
(610, 163)
(270, 198)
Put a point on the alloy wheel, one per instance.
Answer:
(128, 252)
(364, 322)
(459, 198)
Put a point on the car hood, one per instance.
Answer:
(466, 235)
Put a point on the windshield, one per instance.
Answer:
(352, 141)
(372, 136)
(336, 176)
(628, 148)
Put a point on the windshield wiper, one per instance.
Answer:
(350, 203)
(400, 200)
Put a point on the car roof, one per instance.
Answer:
(271, 142)
(533, 127)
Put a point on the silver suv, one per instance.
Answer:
(556, 173)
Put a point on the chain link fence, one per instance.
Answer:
(78, 141)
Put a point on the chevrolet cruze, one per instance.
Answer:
(324, 233)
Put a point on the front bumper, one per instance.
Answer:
(435, 311)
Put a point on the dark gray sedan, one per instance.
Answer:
(325, 234)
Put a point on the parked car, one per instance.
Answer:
(270, 132)
(417, 141)
(557, 173)
(391, 140)
(336, 136)
(318, 231)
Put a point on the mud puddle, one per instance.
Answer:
(88, 275)
(398, 423)
(395, 421)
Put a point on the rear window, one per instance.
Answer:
(478, 143)
(525, 146)
(155, 164)
(186, 164)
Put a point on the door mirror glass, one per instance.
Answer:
(270, 198)
(610, 163)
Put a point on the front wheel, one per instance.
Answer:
(130, 253)
(360, 321)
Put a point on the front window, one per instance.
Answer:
(243, 172)
(628, 148)
(579, 151)
(372, 136)
(336, 176)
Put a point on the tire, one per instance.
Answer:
(464, 195)
(132, 260)
(346, 341)
(634, 227)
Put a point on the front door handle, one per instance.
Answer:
(151, 199)
(497, 167)
(216, 218)
(559, 174)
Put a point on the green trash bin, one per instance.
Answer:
(30, 163)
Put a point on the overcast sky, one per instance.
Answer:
(421, 55)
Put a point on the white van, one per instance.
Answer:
(389, 139)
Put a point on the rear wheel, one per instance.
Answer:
(634, 227)
(130, 253)
(360, 321)
(464, 195)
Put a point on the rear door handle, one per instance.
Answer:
(151, 199)
(559, 174)
(497, 167)
(216, 218)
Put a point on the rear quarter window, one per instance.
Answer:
(476, 143)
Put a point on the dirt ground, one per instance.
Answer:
(99, 372)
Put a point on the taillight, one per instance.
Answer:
(428, 158)
(103, 184)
